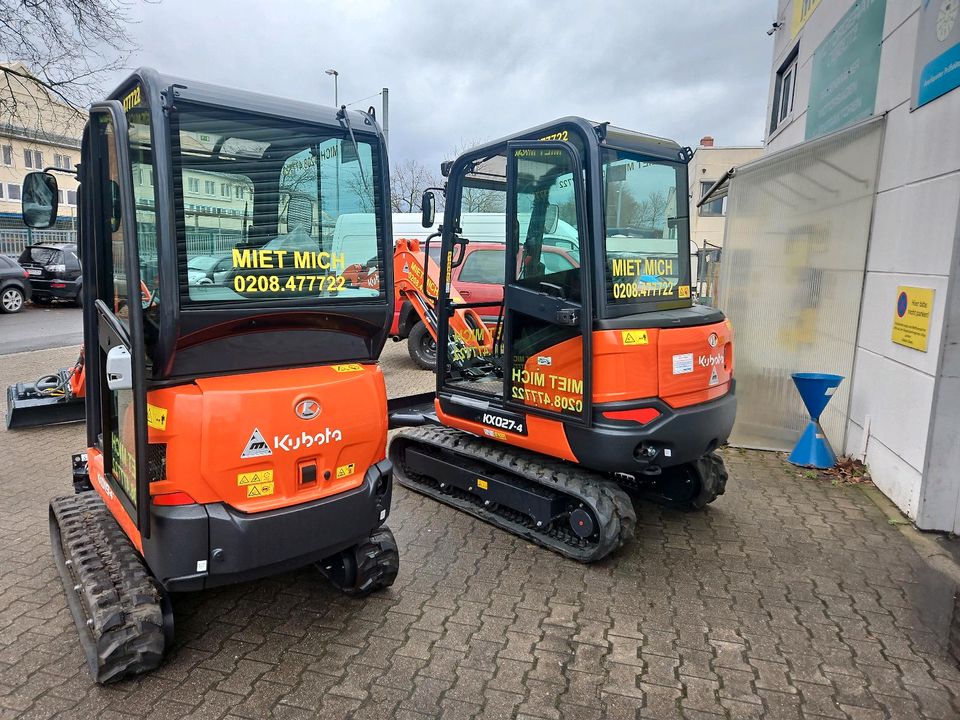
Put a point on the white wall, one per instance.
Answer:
(912, 243)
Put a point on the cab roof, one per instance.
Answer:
(194, 90)
(605, 133)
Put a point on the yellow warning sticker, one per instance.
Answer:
(259, 490)
(255, 478)
(345, 470)
(683, 291)
(347, 368)
(634, 337)
(156, 417)
(482, 484)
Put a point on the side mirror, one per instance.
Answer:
(551, 219)
(427, 209)
(39, 203)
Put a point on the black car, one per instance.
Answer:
(54, 272)
(14, 286)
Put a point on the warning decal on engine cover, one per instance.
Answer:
(261, 490)
(256, 446)
(255, 478)
(156, 417)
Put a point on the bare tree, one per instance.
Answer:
(59, 47)
(476, 199)
(408, 180)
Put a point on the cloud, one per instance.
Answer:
(465, 71)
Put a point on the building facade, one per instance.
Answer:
(708, 164)
(36, 132)
(835, 66)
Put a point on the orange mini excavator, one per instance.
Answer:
(224, 353)
(597, 378)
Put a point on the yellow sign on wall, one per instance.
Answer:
(911, 317)
(802, 10)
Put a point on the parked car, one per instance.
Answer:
(209, 269)
(478, 279)
(14, 285)
(54, 270)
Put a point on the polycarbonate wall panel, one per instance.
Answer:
(791, 278)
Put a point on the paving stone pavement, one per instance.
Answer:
(787, 598)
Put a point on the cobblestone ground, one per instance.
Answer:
(787, 598)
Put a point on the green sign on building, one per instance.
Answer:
(843, 83)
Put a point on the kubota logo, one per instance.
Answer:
(710, 360)
(306, 440)
(307, 409)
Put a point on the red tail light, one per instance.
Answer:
(177, 498)
(58, 285)
(640, 415)
(26, 274)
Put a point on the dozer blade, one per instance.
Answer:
(123, 616)
(26, 409)
(573, 511)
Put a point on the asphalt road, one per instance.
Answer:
(38, 328)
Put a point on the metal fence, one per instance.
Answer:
(12, 242)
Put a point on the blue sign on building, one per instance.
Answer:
(936, 69)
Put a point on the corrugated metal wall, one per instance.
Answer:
(798, 224)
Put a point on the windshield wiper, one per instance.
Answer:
(345, 122)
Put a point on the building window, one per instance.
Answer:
(209, 187)
(240, 192)
(71, 197)
(58, 161)
(784, 90)
(13, 191)
(1, 191)
(193, 185)
(38, 160)
(714, 208)
(28, 158)
(224, 190)
(8, 154)
(60, 195)
(67, 162)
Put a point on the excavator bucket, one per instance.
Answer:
(49, 401)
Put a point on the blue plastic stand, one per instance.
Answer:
(813, 449)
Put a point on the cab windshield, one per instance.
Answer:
(270, 209)
(644, 225)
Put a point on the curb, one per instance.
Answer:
(923, 542)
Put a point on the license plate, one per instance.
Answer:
(34, 271)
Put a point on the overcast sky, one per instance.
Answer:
(464, 71)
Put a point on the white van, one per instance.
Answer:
(484, 227)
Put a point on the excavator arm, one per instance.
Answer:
(470, 342)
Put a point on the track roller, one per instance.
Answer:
(573, 511)
(364, 568)
(122, 614)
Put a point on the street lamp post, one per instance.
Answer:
(336, 75)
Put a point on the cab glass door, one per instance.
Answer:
(546, 302)
(118, 310)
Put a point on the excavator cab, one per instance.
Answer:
(224, 354)
(601, 371)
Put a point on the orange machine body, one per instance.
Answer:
(260, 441)
(655, 369)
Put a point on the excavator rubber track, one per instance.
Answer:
(123, 616)
(582, 514)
